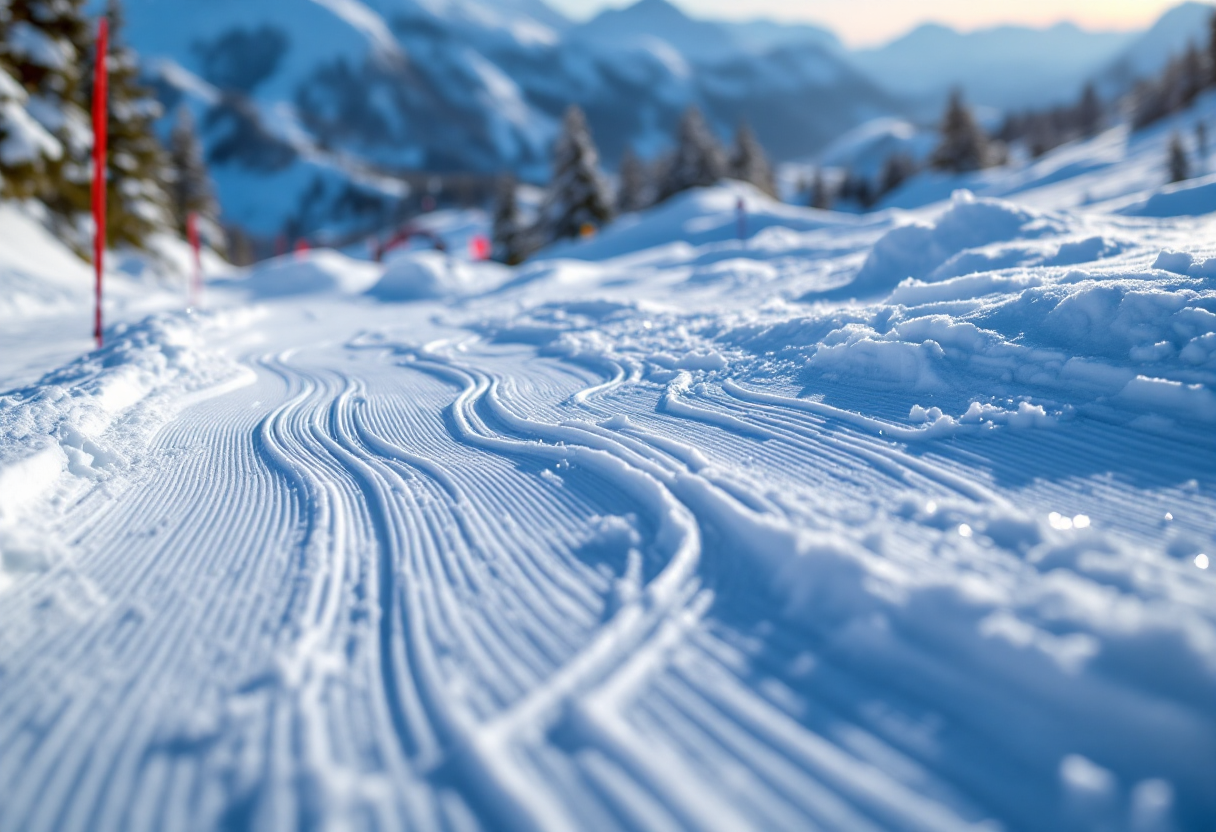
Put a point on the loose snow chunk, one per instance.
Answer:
(1027, 415)
(915, 292)
(1190, 401)
(1178, 262)
(866, 355)
(1075, 252)
(1205, 269)
(702, 360)
(920, 414)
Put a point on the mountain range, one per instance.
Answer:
(313, 110)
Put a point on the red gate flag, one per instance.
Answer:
(100, 90)
(196, 281)
(479, 247)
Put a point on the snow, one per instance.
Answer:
(897, 521)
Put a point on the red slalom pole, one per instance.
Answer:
(196, 283)
(100, 91)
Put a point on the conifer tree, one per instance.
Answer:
(821, 194)
(577, 198)
(897, 169)
(698, 161)
(1212, 50)
(137, 167)
(633, 192)
(191, 189)
(1179, 165)
(509, 235)
(1148, 104)
(1089, 112)
(963, 146)
(1191, 77)
(749, 164)
(856, 190)
(45, 47)
(27, 150)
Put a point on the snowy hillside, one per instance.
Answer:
(796, 520)
(1117, 171)
(1184, 25)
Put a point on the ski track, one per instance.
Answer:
(369, 587)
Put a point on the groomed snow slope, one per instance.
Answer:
(883, 523)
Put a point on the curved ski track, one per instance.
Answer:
(443, 590)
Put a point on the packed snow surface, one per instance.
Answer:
(901, 522)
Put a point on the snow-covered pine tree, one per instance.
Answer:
(698, 161)
(509, 237)
(856, 190)
(27, 150)
(633, 191)
(137, 167)
(1192, 76)
(963, 146)
(1179, 165)
(897, 169)
(191, 188)
(1148, 104)
(45, 46)
(1211, 80)
(821, 194)
(749, 164)
(578, 197)
(1089, 112)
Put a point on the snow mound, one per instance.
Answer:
(431, 275)
(919, 250)
(312, 273)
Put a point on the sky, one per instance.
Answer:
(871, 22)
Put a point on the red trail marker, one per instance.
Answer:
(196, 246)
(100, 90)
(479, 247)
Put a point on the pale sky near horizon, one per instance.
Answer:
(871, 22)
